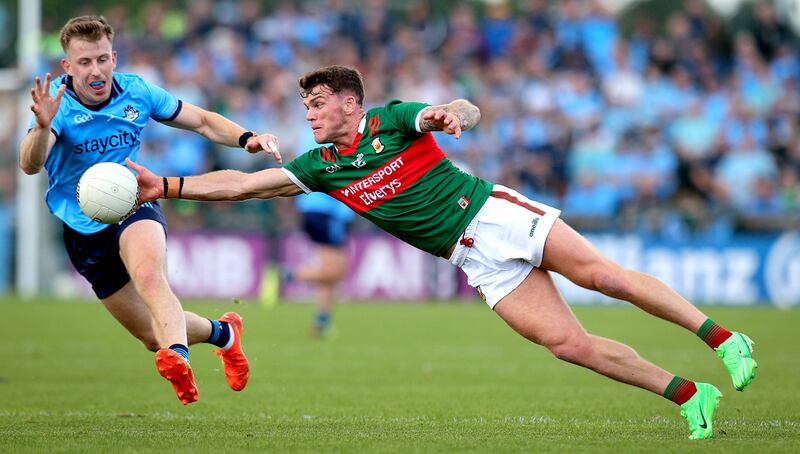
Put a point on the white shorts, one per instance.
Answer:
(508, 236)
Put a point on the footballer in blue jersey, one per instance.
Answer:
(107, 132)
(92, 114)
(326, 222)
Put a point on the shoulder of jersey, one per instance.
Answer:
(126, 79)
(378, 109)
(391, 102)
(56, 83)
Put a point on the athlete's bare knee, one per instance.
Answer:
(147, 278)
(576, 349)
(613, 281)
(339, 275)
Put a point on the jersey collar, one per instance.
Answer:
(115, 91)
(352, 148)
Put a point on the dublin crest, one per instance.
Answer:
(131, 113)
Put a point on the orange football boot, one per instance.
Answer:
(172, 366)
(234, 363)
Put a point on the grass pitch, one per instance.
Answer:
(399, 378)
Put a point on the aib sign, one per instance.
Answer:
(215, 265)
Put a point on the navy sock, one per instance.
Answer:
(220, 333)
(287, 274)
(181, 350)
(323, 319)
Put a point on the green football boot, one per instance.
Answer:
(699, 411)
(737, 355)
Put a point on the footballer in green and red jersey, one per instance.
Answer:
(398, 178)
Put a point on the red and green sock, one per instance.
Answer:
(713, 334)
(679, 390)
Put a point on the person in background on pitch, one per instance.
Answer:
(92, 114)
(325, 221)
(385, 165)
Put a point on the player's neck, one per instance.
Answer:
(89, 103)
(350, 132)
(83, 100)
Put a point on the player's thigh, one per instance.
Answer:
(536, 310)
(96, 257)
(333, 256)
(143, 243)
(571, 255)
(127, 307)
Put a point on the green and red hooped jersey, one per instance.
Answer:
(396, 177)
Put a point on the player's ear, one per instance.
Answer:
(350, 105)
(65, 66)
(113, 59)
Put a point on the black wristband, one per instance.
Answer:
(166, 186)
(243, 138)
(180, 188)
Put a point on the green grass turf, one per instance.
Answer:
(400, 378)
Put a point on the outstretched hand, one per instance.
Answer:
(440, 119)
(44, 106)
(151, 186)
(266, 142)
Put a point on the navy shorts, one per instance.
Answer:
(325, 229)
(96, 255)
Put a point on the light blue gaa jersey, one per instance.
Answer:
(108, 132)
(319, 202)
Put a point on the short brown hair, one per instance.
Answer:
(89, 28)
(337, 78)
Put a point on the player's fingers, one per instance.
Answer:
(450, 123)
(273, 146)
(61, 91)
(447, 123)
(136, 167)
(46, 83)
(34, 95)
(37, 85)
(457, 121)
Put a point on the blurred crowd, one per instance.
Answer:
(680, 127)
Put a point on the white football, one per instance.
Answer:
(108, 192)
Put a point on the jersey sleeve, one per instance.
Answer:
(164, 106)
(55, 126)
(299, 171)
(405, 115)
